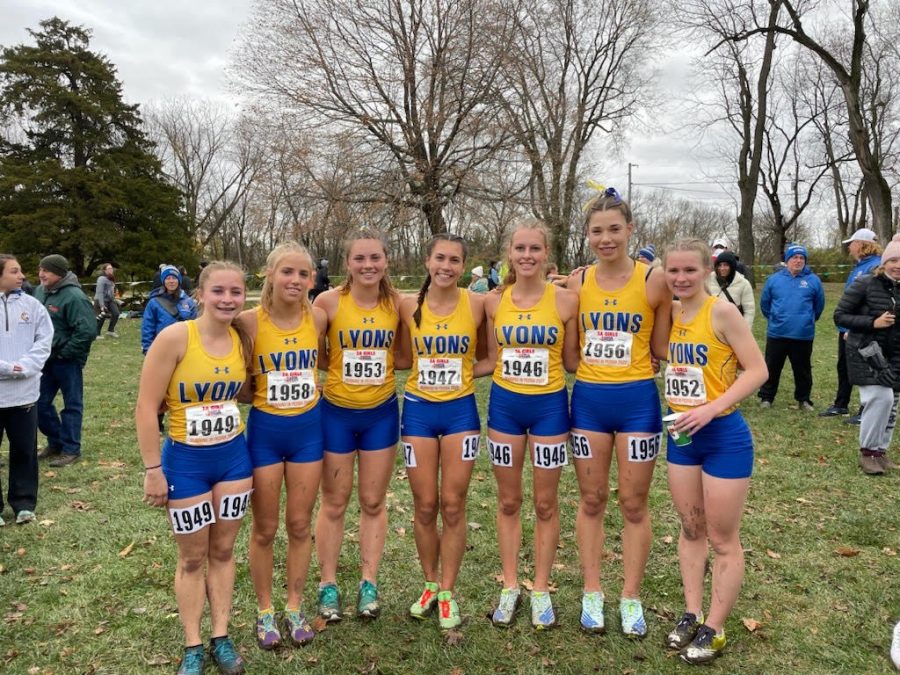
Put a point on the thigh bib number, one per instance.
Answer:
(685, 385)
(526, 365)
(212, 423)
(290, 388)
(644, 449)
(233, 507)
(364, 366)
(192, 519)
(501, 453)
(550, 456)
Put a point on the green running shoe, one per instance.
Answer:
(367, 606)
(506, 611)
(684, 631)
(426, 603)
(448, 615)
(705, 646)
(592, 612)
(542, 614)
(632, 614)
(329, 603)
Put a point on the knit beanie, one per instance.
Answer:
(56, 264)
(648, 252)
(169, 271)
(794, 249)
(892, 250)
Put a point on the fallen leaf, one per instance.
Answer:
(498, 578)
(885, 550)
(801, 500)
(113, 465)
(29, 570)
(20, 552)
(457, 671)
(159, 661)
(312, 660)
(125, 551)
(772, 554)
(400, 531)
(474, 526)
(49, 474)
(34, 670)
(46, 523)
(751, 624)
(822, 459)
(846, 551)
(19, 606)
(668, 539)
(453, 638)
(80, 506)
(99, 630)
(319, 624)
(528, 584)
(762, 460)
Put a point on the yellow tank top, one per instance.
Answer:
(701, 367)
(202, 394)
(361, 354)
(443, 353)
(530, 342)
(615, 328)
(284, 366)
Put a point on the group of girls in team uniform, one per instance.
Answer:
(607, 323)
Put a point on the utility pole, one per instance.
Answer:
(630, 165)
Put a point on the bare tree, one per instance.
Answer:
(412, 78)
(575, 68)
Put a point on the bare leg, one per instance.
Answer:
(593, 484)
(686, 486)
(455, 476)
(724, 500)
(634, 489)
(423, 481)
(375, 468)
(266, 501)
(509, 505)
(337, 484)
(302, 480)
(220, 567)
(546, 509)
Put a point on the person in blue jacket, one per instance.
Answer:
(792, 301)
(864, 249)
(167, 304)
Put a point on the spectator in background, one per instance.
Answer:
(74, 331)
(864, 249)
(792, 301)
(647, 255)
(721, 245)
(105, 304)
(493, 277)
(157, 281)
(323, 283)
(727, 283)
(187, 284)
(478, 284)
(27, 335)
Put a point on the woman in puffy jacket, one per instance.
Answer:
(727, 283)
(168, 304)
(868, 310)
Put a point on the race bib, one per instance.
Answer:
(501, 453)
(685, 386)
(581, 448)
(192, 519)
(364, 366)
(290, 388)
(470, 447)
(607, 348)
(409, 456)
(439, 373)
(644, 449)
(212, 423)
(550, 456)
(526, 365)
(233, 507)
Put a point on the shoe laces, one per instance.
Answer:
(296, 618)
(426, 598)
(193, 658)
(540, 600)
(686, 621)
(265, 621)
(446, 608)
(593, 602)
(631, 609)
(508, 598)
(368, 592)
(328, 595)
(704, 636)
(223, 650)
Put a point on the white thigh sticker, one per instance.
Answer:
(643, 448)
(550, 455)
(471, 445)
(581, 448)
(501, 453)
(409, 456)
(192, 519)
(233, 507)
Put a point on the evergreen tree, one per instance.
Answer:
(77, 174)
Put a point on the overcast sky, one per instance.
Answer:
(167, 48)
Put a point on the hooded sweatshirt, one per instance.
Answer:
(734, 285)
(792, 304)
(72, 314)
(27, 334)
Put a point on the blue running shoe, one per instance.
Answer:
(632, 614)
(592, 619)
(542, 614)
(193, 661)
(225, 656)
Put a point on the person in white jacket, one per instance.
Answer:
(27, 334)
(727, 283)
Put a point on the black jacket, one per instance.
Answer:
(867, 298)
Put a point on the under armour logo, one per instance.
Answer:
(524, 316)
(609, 302)
(171, 488)
(288, 341)
(225, 370)
(368, 320)
(438, 326)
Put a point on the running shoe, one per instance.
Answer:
(225, 655)
(592, 612)
(895, 647)
(24, 516)
(424, 606)
(705, 646)
(684, 631)
(297, 627)
(506, 611)
(542, 614)
(329, 603)
(267, 635)
(2, 522)
(193, 661)
(765, 404)
(448, 614)
(632, 614)
(367, 606)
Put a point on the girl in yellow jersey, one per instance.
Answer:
(360, 416)
(284, 433)
(440, 426)
(711, 460)
(624, 316)
(203, 474)
(533, 340)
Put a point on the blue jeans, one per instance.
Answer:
(63, 431)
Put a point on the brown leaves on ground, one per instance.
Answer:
(453, 637)
(751, 624)
(125, 551)
(319, 624)
(81, 506)
(847, 551)
(772, 554)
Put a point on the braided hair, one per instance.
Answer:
(429, 248)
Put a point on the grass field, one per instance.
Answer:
(88, 588)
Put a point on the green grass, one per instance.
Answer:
(88, 589)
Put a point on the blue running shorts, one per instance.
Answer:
(346, 430)
(431, 419)
(192, 470)
(616, 408)
(273, 439)
(537, 414)
(724, 448)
